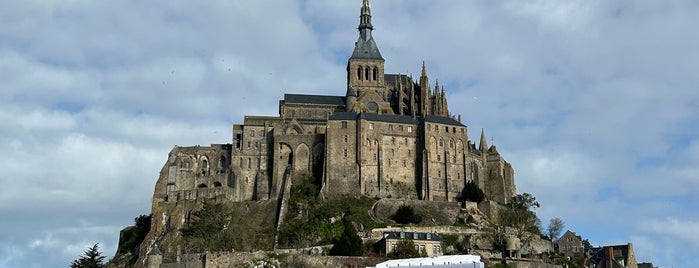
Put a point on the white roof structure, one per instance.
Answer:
(450, 261)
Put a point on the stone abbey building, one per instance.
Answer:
(388, 136)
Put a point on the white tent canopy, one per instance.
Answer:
(451, 261)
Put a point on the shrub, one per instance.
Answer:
(405, 215)
(349, 243)
(472, 193)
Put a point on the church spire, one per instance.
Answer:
(365, 47)
(424, 70)
(484, 144)
(365, 26)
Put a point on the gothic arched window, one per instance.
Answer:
(375, 73)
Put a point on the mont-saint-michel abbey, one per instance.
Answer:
(387, 136)
(384, 137)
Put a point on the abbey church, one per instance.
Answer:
(387, 136)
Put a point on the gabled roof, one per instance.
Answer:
(314, 99)
(443, 120)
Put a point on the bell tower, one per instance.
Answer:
(366, 89)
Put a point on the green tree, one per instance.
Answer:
(472, 193)
(405, 249)
(405, 215)
(206, 229)
(349, 243)
(519, 217)
(91, 258)
(553, 231)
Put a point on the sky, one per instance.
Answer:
(594, 103)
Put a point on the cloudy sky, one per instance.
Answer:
(595, 103)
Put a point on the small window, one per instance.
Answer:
(439, 173)
(410, 129)
(404, 163)
(400, 128)
(344, 124)
(462, 130)
(257, 144)
(346, 138)
(371, 125)
(345, 152)
(366, 74)
(204, 164)
(453, 130)
(249, 163)
(249, 145)
(308, 113)
(446, 129)
(390, 128)
(375, 73)
(359, 73)
(375, 156)
(451, 144)
(252, 133)
(439, 158)
(441, 143)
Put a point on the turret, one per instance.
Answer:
(483, 147)
(424, 92)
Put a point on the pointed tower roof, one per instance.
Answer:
(366, 48)
(424, 70)
(484, 144)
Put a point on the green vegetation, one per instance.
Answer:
(349, 243)
(456, 244)
(131, 237)
(472, 193)
(310, 221)
(519, 216)
(406, 249)
(406, 215)
(217, 227)
(91, 258)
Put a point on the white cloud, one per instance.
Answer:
(593, 103)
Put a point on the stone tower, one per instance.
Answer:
(366, 89)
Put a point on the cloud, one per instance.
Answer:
(593, 103)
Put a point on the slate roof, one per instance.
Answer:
(391, 118)
(412, 236)
(366, 49)
(314, 99)
(443, 120)
(391, 78)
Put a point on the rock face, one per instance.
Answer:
(389, 136)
